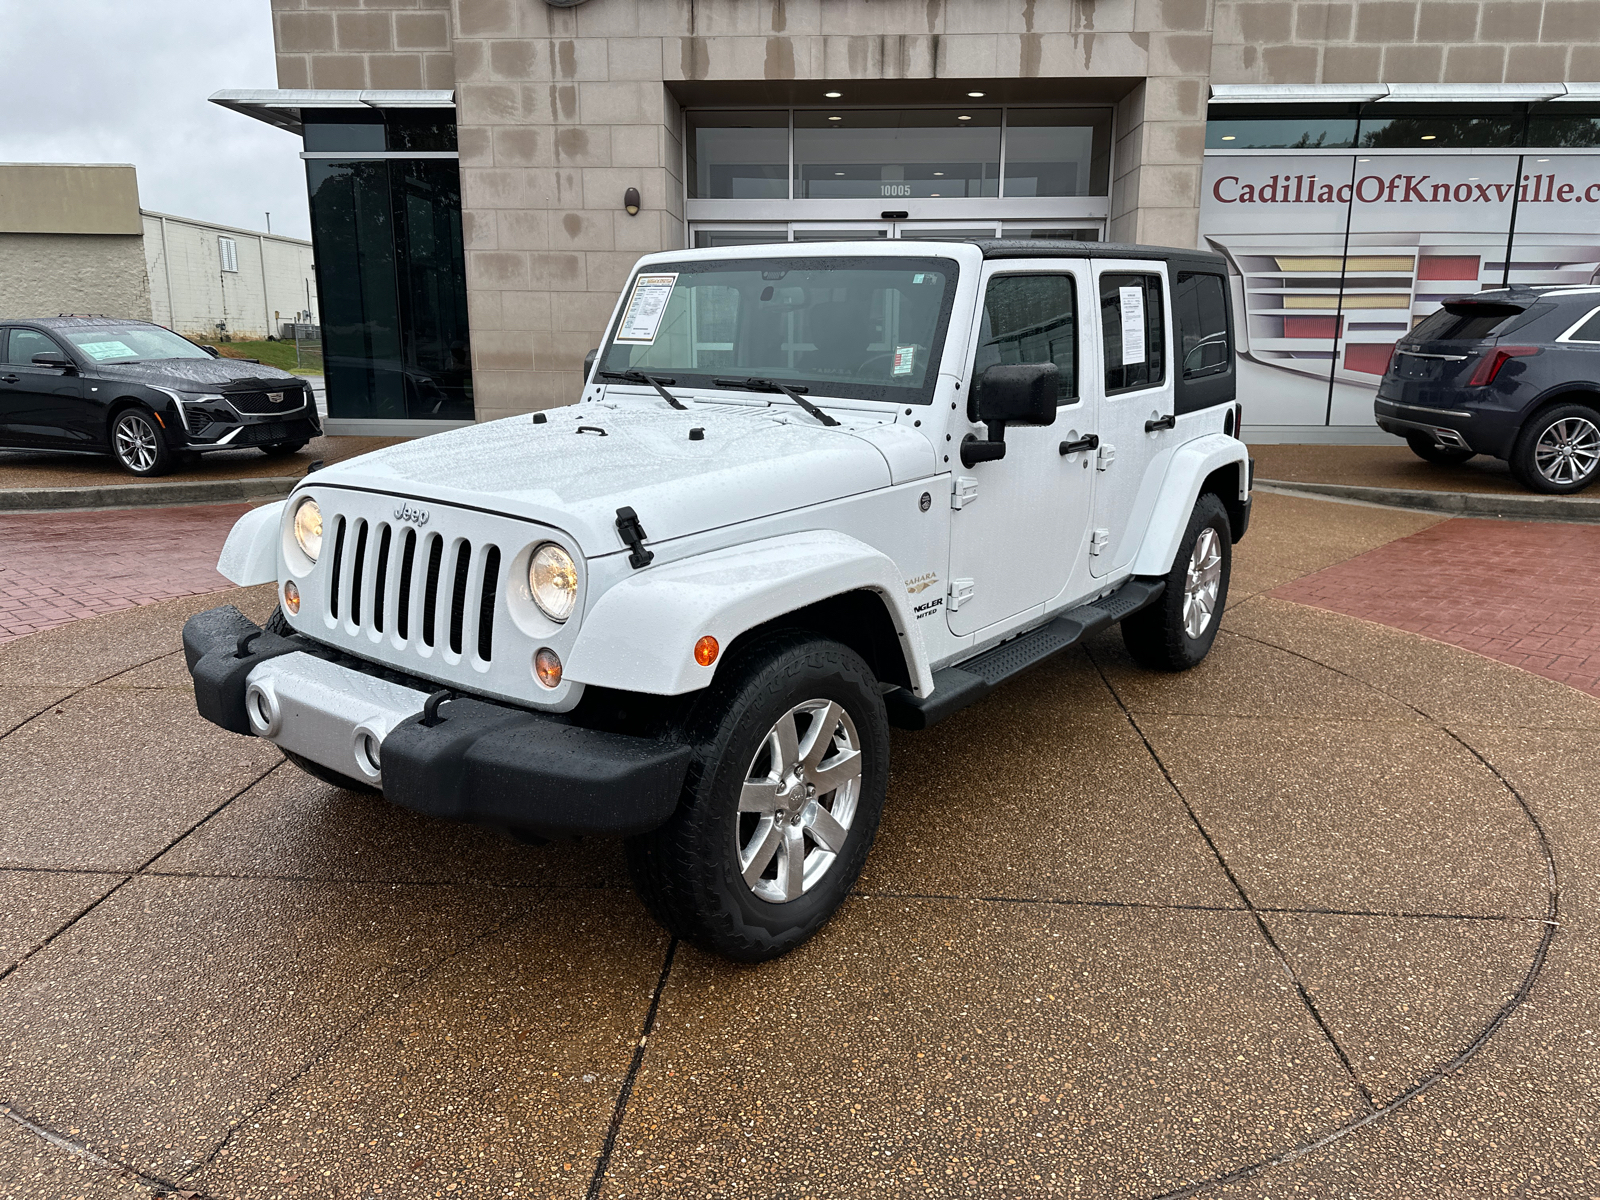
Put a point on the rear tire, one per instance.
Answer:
(1425, 448)
(1176, 632)
(1558, 452)
(761, 850)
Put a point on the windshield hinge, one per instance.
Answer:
(964, 492)
(632, 533)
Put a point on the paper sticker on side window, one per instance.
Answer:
(904, 359)
(1132, 324)
(100, 351)
(642, 319)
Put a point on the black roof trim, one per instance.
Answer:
(1199, 260)
(76, 322)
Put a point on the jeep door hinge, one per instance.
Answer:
(964, 492)
(1098, 541)
(1105, 457)
(960, 592)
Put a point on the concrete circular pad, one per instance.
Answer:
(1312, 919)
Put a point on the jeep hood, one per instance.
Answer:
(575, 469)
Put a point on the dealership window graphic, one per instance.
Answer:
(1339, 255)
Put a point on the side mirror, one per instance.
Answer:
(57, 361)
(212, 350)
(1009, 394)
(588, 363)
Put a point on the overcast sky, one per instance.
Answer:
(126, 81)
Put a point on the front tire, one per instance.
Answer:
(1558, 452)
(1176, 632)
(781, 804)
(1425, 448)
(139, 444)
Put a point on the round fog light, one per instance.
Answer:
(291, 597)
(547, 666)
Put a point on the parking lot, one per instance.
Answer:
(1313, 919)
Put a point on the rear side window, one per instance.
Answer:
(23, 344)
(1589, 331)
(1465, 321)
(1200, 311)
(1032, 319)
(1133, 327)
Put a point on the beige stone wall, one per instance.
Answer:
(42, 274)
(351, 44)
(1406, 41)
(561, 110)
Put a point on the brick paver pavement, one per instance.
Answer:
(58, 567)
(1523, 592)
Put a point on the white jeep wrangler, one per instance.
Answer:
(807, 493)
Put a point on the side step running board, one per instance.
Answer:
(956, 687)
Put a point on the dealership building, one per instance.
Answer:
(484, 173)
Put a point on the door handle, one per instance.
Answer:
(1087, 442)
(1166, 422)
(9, 378)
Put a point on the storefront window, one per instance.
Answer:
(1225, 131)
(1390, 126)
(391, 275)
(738, 155)
(896, 154)
(1563, 125)
(1051, 152)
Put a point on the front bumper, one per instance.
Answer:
(474, 761)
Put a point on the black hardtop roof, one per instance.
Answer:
(76, 322)
(1195, 260)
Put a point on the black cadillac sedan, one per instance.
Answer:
(1513, 373)
(141, 393)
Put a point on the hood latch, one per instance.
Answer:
(631, 532)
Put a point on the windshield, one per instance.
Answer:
(131, 343)
(855, 328)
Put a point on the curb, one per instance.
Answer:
(1465, 504)
(147, 495)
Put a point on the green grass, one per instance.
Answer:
(274, 354)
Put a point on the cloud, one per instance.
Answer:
(121, 81)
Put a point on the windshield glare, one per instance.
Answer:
(131, 343)
(858, 328)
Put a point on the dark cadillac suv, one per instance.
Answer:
(141, 393)
(1513, 373)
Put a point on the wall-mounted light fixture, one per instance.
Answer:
(630, 201)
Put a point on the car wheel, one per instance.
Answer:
(1559, 450)
(1176, 632)
(139, 444)
(1425, 448)
(283, 449)
(782, 800)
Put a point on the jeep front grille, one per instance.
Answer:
(416, 587)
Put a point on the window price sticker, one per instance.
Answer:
(100, 351)
(1132, 325)
(648, 304)
(904, 359)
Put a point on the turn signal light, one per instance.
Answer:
(1490, 366)
(291, 597)
(547, 666)
(705, 650)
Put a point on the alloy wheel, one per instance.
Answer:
(1568, 451)
(798, 800)
(1201, 582)
(135, 440)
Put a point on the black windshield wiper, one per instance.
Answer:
(768, 385)
(653, 381)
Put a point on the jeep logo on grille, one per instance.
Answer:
(417, 516)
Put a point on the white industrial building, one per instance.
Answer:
(73, 239)
(211, 281)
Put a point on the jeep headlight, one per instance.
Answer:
(308, 527)
(553, 579)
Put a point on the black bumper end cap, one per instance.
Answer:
(492, 765)
(211, 648)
